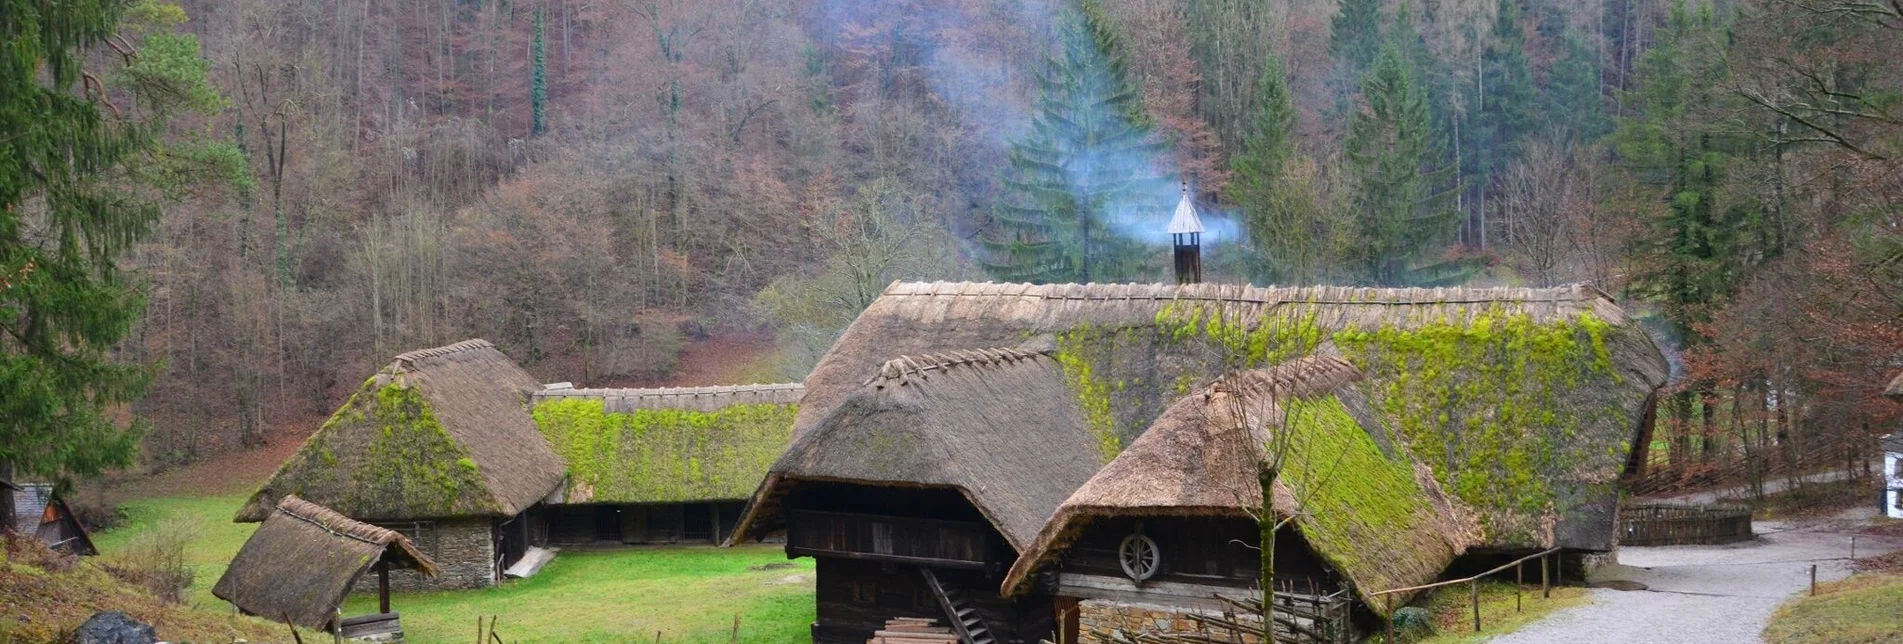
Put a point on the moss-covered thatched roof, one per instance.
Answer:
(1357, 499)
(667, 445)
(997, 425)
(1525, 403)
(300, 564)
(438, 433)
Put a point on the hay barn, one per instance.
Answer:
(301, 563)
(438, 446)
(660, 465)
(1523, 407)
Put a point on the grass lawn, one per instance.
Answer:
(1863, 608)
(687, 594)
(1452, 608)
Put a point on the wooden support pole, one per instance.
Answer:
(1390, 602)
(1474, 588)
(383, 586)
(1813, 580)
(1546, 590)
(1518, 580)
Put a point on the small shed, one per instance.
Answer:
(301, 563)
(38, 511)
(1893, 459)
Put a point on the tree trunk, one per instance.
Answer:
(1265, 474)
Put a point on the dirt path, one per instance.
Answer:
(1716, 594)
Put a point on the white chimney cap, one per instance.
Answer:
(1185, 220)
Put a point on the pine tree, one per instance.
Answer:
(79, 151)
(1401, 208)
(1280, 244)
(1356, 35)
(1571, 105)
(538, 80)
(1088, 164)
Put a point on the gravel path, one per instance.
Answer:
(1716, 594)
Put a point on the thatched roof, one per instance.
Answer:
(301, 563)
(1548, 387)
(1895, 390)
(667, 445)
(1363, 505)
(439, 433)
(996, 424)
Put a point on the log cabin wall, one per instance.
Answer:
(1209, 551)
(606, 524)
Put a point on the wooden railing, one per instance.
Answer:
(1473, 586)
(930, 542)
(1676, 525)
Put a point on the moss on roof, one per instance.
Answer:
(1361, 509)
(664, 455)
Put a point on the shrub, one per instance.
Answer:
(155, 560)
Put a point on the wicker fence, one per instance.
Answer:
(1677, 525)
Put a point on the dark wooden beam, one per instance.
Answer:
(794, 551)
(383, 585)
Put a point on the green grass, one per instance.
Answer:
(1862, 608)
(216, 539)
(688, 594)
(1452, 608)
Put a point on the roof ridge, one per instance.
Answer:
(1247, 293)
(466, 345)
(335, 522)
(1303, 377)
(707, 390)
(905, 366)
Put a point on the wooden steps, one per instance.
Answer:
(913, 630)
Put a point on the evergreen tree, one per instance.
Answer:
(538, 80)
(1088, 163)
(1401, 212)
(79, 149)
(1505, 100)
(1356, 35)
(1281, 244)
(1571, 105)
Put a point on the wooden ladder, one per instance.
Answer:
(964, 618)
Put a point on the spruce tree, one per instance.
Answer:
(538, 80)
(1088, 163)
(1505, 113)
(1356, 34)
(1280, 245)
(80, 147)
(1571, 105)
(1401, 212)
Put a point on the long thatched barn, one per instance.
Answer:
(439, 446)
(660, 465)
(1520, 409)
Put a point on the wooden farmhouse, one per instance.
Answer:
(660, 465)
(438, 446)
(985, 454)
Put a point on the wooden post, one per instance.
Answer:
(713, 519)
(1853, 547)
(1390, 602)
(1474, 587)
(1813, 580)
(1519, 569)
(383, 586)
(1546, 590)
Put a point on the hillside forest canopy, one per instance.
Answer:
(217, 215)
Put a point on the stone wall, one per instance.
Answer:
(1100, 615)
(463, 549)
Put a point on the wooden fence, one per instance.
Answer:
(1311, 617)
(1678, 525)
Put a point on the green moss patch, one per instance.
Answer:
(1362, 510)
(664, 455)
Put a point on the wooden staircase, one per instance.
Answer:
(964, 618)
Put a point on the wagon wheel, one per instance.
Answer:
(1138, 556)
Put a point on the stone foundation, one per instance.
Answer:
(1099, 615)
(463, 549)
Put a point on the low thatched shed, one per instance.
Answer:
(304, 559)
(1363, 510)
(439, 444)
(39, 512)
(661, 465)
